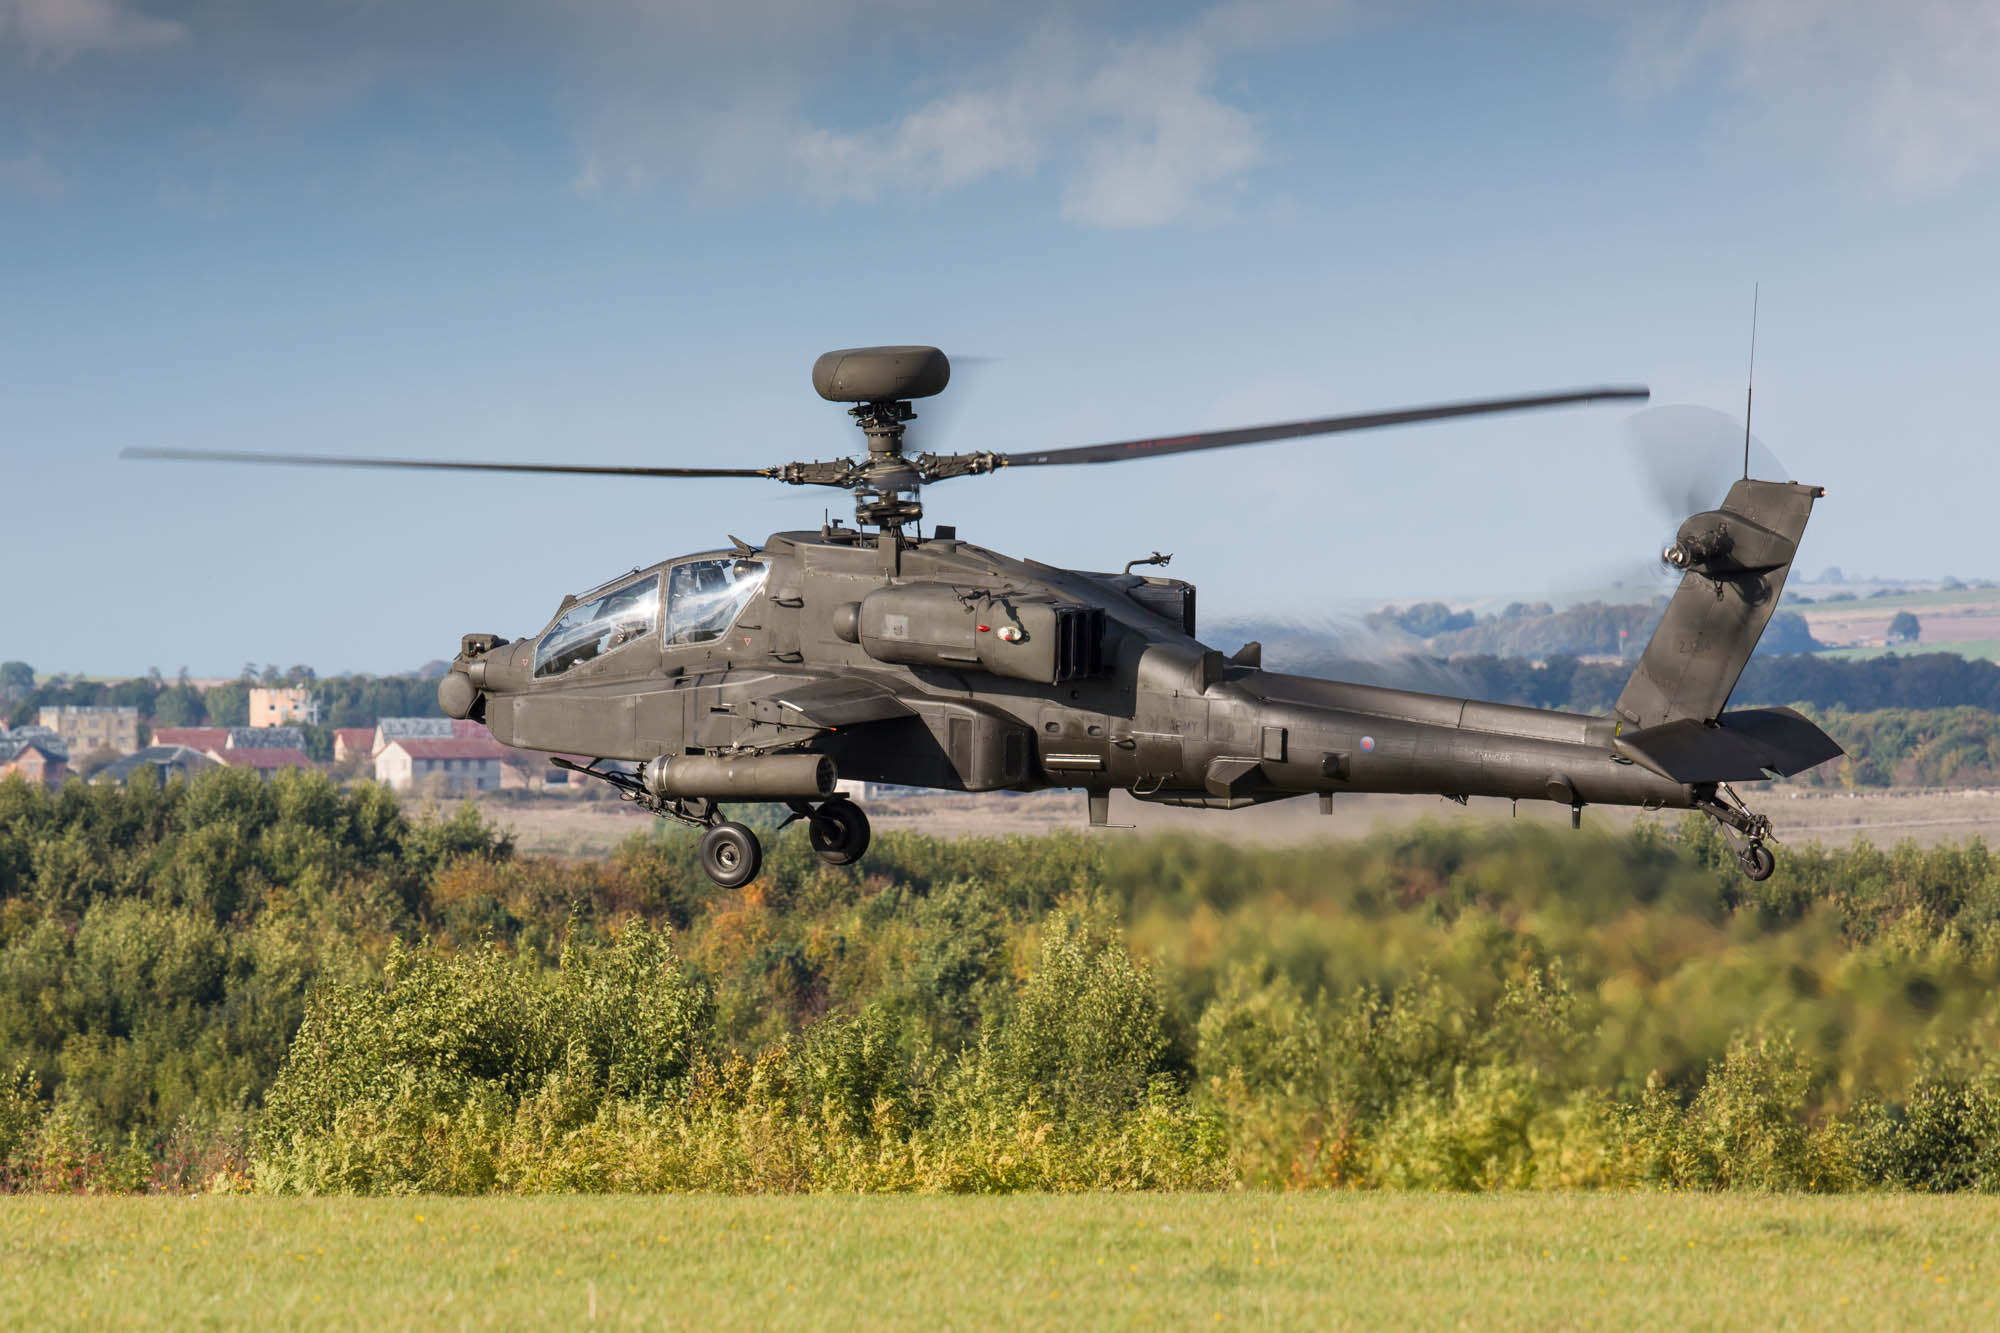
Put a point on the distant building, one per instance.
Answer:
(163, 761)
(353, 743)
(36, 753)
(419, 729)
(203, 739)
(468, 764)
(265, 738)
(277, 706)
(265, 749)
(87, 729)
(535, 770)
(263, 759)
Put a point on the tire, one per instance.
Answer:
(838, 831)
(731, 855)
(1757, 862)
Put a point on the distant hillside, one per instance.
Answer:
(1533, 631)
(1584, 630)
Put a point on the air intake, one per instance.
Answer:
(1079, 641)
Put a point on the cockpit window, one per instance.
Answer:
(599, 624)
(704, 596)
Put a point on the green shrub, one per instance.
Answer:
(209, 971)
(1944, 1135)
(1089, 1030)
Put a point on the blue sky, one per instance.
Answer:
(621, 231)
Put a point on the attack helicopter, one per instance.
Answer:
(770, 672)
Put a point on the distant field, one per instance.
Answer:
(1234, 1260)
(1897, 601)
(560, 827)
(1985, 649)
(1952, 621)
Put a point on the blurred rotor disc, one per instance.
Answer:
(1689, 455)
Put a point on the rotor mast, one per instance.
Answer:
(880, 382)
(886, 488)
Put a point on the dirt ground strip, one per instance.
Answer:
(1862, 622)
(567, 827)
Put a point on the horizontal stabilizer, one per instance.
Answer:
(1741, 746)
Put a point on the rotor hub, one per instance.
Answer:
(886, 488)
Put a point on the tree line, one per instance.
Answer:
(288, 986)
(1538, 630)
(1892, 681)
(345, 701)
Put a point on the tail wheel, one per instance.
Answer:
(838, 832)
(731, 855)
(1757, 861)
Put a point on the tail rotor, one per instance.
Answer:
(1688, 456)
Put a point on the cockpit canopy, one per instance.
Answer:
(703, 598)
(599, 623)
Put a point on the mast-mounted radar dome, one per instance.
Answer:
(878, 374)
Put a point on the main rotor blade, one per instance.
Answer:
(439, 464)
(1221, 439)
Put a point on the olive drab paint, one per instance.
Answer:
(874, 653)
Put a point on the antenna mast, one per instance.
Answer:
(1750, 385)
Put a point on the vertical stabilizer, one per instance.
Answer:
(1736, 559)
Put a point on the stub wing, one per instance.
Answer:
(826, 703)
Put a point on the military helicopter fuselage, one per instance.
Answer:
(963, 669)
(769, 673)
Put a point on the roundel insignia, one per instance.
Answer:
(1367, 742)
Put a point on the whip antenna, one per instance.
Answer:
(1750, 385)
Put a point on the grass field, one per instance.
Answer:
(1122, 1260)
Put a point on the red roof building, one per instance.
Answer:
(264, 759)
(352, 743)
(34, 760)
(463, 763)
(195, 738)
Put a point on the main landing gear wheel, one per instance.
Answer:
(731, 855)
(838, 831)
(1745, 829)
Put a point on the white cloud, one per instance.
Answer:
(1160, 139)
(1137, 128)
(58, 30)
(1913, 85)
(963, 137)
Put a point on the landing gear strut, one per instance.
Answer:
(730, 852)
(1745, 830)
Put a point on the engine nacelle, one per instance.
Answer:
(937, 625)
